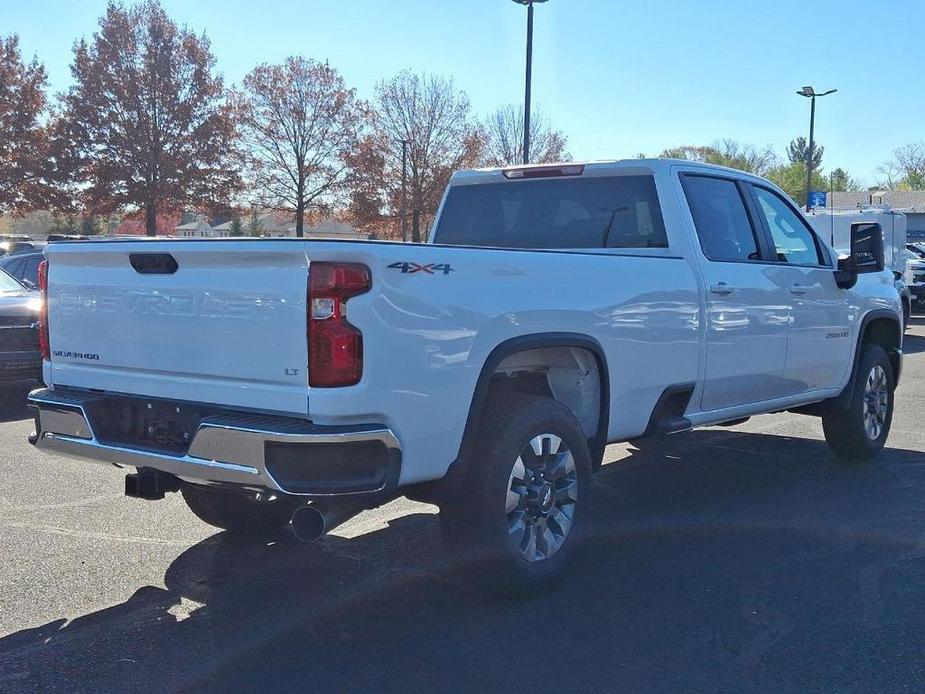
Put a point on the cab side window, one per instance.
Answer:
(720, 217)
(793, 241)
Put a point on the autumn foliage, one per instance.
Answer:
(23, 138)
(148, 130)
(146, 122)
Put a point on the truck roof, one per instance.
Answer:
(592, 168)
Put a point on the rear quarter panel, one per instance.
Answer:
(427, 334)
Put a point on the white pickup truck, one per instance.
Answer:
(554, 310)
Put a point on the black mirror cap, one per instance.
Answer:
(846, 276)
(866, 247)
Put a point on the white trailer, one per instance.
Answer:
(835, 227)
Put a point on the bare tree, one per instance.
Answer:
(731, 153)
(699, 153)
(909, 160)
(744, 156)
(504, 129)
(300, 123)
(890, 176)
(146, 123)
(434, 117)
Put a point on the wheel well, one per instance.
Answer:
(569, 375)
(883, 332)
(568, 367)
(542, 364)
(886, 333)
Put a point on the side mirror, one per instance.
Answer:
(866, 254)
(867, 247)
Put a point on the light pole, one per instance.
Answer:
(404, 178)
(529, 77)
(810, 93)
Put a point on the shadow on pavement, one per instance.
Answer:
(13, 402)
(913, 344)
(721, 561)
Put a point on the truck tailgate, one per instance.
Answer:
(227, 326)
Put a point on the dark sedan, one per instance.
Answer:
(23, 267)
(20, 358)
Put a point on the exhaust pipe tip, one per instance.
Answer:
(307, 524)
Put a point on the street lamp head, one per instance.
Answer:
(528, 2)
(810, 92)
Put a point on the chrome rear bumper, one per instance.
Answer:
(231, 449)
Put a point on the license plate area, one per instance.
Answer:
(159, 425)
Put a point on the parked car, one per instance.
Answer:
(555, 309)
(20, 358)
(66, 237)
(17, 247)
(23, 267)
(10, 242)
(914, 276)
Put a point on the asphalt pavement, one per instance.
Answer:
(723, 560)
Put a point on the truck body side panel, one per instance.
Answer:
(229, 328)
(428, 334)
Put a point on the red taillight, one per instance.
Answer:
(335, 348)
(44, 345)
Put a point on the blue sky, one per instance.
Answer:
(618, 76)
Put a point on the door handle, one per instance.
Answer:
(721, 288)
(798, 289)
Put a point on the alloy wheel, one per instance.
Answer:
(541, 497)
(876, 402)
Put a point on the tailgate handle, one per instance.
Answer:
(153, 263)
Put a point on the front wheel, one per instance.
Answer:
(526, 495)
(859, 432)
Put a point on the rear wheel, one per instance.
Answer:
(859, 432)
(242, 514)
(526, 495)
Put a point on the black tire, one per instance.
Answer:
(849, 433)
(477, 522)
(238, 513)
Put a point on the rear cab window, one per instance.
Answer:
(570, 213)
(721, 218)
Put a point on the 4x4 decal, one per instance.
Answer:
(408, 268)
